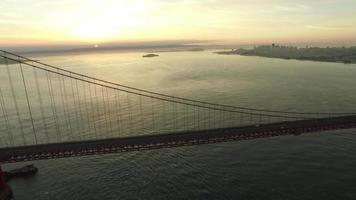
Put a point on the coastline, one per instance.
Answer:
(333, 54)
(275, 57)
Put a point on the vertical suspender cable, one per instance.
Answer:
(68, 113)
(75, 108)
(4, 111)
(41, 104)
(109, 110)
(28, 104)
(141, 115)
(153, 114)
(15, 102)
(53, 106)
(117, 111)
(128, 99)
(80, 110)
(92, 110)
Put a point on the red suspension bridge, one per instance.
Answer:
(48, 112)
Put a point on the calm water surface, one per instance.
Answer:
(314, 166)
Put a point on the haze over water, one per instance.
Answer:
(311, 166)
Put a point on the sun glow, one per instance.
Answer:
(110, 23)
(102, 26)
(99, 21)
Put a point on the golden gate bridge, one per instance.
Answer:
(48, 112)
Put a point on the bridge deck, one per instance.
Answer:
(147, 142)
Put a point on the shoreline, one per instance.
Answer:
(275, 57)
(346, 55)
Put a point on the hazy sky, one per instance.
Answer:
(26, 22)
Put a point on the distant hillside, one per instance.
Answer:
(328, 54)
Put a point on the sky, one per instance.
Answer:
(47, 22)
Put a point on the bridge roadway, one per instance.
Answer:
(149, 142)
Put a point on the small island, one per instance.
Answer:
(327, 54)
(149, 55)
(196, 49)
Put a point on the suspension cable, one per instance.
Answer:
(170, 96)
